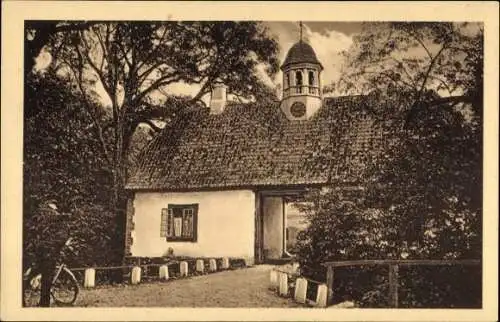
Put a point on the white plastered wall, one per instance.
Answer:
(226, 224)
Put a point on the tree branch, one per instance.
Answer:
(104, 51)
(400, 63)
(99, 72)
(422, 44)
(391, 78)
(89, 109)
(452, 100)
(154, 50)
(442, 83)
(141, 78)
(125, 53)
(151, 124)
(427, 73)
(201, 92)
(162, 81)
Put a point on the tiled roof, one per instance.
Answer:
(249, 145)
(301, 52)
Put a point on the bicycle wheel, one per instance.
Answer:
(32, 291)
(65, 288)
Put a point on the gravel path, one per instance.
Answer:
(246, 287)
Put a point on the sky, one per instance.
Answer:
(328, 40)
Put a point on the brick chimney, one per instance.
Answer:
(218, 99)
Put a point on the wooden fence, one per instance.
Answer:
(393, 271)
(152, 270)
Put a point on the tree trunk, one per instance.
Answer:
(118, 202)
(47, 270)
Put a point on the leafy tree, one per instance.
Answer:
(422, 196)
(60, 164)
(60, 160)
(431, 63)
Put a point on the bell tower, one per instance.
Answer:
(302, 95)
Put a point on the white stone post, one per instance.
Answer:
(183, 268)
(300, 290)
(225, 263)
(164, 272)
(89, 280)
(322, 295)
(213, 265)
(200, 266)
(274, 279)
(135, 276)
(283, 284)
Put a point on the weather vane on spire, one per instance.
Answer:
(300, 25)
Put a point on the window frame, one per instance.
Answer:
(167, 229)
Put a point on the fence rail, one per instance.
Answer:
(394, 265)
(123, 266)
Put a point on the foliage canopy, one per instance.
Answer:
(421, 198)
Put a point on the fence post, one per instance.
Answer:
(283, 284)
(213, 264)
(300, 290)
(183, 269)
(200, 266)
(164, 272)
(329, 285)
(225, 263)
(89, 280)
(321, 297)
(274, 280)
(135, 276)
(393, 285)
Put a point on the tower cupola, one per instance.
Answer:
(302, 95)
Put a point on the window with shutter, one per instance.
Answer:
(179, 222)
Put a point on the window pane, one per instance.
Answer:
(170, 223)
(177, 226)
(187, 229)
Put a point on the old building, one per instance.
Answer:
(216, 183)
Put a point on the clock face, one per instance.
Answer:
(298, 109)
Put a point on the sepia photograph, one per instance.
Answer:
(317, 165)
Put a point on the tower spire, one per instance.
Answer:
(300, 26)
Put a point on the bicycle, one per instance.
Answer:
(64, 287)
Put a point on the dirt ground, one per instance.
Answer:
(246, 287)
